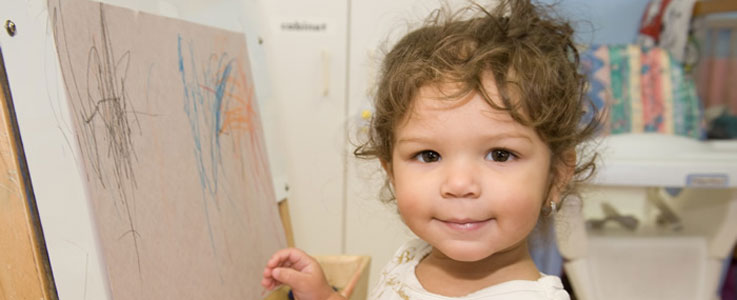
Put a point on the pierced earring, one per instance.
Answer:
(553, 208)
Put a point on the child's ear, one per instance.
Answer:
(387, 166)
(564, 170)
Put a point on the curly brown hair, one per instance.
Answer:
(529, 53)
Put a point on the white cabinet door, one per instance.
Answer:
(306, 57)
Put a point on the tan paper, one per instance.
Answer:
(170, 142)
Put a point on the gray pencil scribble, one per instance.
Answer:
(104, 117)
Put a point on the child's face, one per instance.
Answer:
(468, 179)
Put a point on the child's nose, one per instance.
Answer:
(461, 181)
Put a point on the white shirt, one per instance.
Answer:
(398, 281)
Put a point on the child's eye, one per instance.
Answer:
(427, 156)
(499, 155)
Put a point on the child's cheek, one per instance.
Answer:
(409, 201)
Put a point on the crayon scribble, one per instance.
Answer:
(104, 117)
(219, 102)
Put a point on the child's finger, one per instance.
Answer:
(266, 283)
(280, 257)
(290, 258)
(275, 259)
(269, 282)
(289, 277)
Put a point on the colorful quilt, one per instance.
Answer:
(642, 90)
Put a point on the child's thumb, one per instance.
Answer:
(288, 276)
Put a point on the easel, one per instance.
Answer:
(26, 272)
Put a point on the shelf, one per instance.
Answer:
(651, 159)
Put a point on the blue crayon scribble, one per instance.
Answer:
(206, 96)
(193, 100)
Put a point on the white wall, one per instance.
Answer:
(603, 21)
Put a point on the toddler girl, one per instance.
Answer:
(476, 125)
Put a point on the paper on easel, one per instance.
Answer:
(169, 139)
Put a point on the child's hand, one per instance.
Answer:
(299, 271)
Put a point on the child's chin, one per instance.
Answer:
(466, 253)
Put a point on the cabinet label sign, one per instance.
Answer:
(707, 180)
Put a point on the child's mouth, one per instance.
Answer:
(465, 224)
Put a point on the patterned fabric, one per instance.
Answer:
(643, 90)
(398, 282)
(717, 65)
